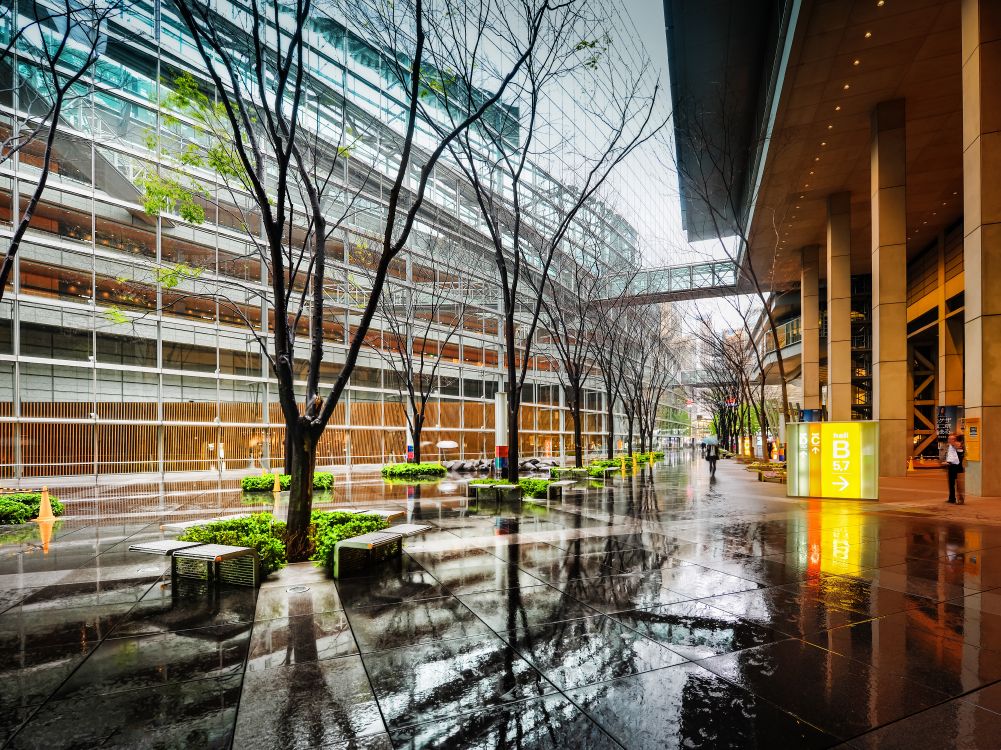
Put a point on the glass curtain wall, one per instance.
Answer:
(104, 368)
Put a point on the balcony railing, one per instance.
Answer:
(789, 333)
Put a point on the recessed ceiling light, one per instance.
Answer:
(944, 202)
(802, 196)
(830, 127)
(846, 86)
(880, 3)
(807, 185)
(823, 143)
(797, 206)
(811, 172)
(816, 158)
(955, 192)
(856, 61)
(868, 35)
(837, 108)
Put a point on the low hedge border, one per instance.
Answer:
(21, 507)
(322, 480)
(533, 488)
(413, 471)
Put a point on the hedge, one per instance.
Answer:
(21, 507)
(258, 530)
(413, 471)
(267, 535)
(535, 488)
(322, 480)
(330, 527)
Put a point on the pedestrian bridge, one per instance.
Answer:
(649, 286)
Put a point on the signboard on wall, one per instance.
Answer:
(973, 439)
(834, 460)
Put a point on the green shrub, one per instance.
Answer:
(534, 487)
(12, 512)
(322, 480)
(645, 457)
(21, 507)
(413, 471)
(489, 481)
(330, 527)
(259, 530)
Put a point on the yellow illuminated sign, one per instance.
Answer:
(834, 459)
(841, 454)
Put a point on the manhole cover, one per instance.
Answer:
(297, 589)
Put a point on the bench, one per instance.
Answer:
(410, 529)
(555, 489)
(354, 554)
(206, 562)
(772, 476)
(386, 515)
(570, 472)
(497, 491)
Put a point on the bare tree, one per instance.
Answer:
(711, 164)
(529, 216)
(421, 317)
(611, 345)
(60, 41)
(570, 324)
(289, 168)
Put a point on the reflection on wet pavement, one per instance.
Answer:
(655, 612)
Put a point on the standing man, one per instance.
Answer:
(954, 465)
(712, 456)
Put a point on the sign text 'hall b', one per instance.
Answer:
(834, 460)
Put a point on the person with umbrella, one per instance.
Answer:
(712, 454)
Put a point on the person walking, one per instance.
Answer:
(712, 456)
(954, 452)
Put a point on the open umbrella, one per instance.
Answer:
(712, 440)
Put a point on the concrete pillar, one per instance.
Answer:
(839, 307)
(890, 381)
(809, 291)
(950, 343)
(981, 29)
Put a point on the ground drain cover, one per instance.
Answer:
(297, 589)
(148, 570)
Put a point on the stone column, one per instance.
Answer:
(890, 381)
(950, 342)
(809, 303)
(839, 307)
(981, 29)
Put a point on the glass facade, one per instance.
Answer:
(105, 367)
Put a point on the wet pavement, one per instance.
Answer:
(663, 611)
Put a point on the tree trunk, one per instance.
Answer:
(611, 423)
(578, 450)
(416, 436)
(300, 500)
(513, 411)
(629, 442)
